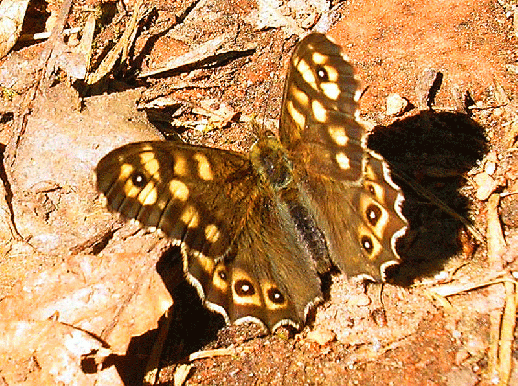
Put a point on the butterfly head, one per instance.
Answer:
(271, 162)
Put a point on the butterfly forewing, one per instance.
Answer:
(238, 249)
(195, 195)
(318, 123)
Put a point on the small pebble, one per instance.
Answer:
(485, 185)
(490, 168)
(321, 336)
(424, 88)
(396, 105)
(359, 300)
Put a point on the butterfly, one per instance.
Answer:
(256, 231)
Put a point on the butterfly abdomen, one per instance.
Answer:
(310, 235)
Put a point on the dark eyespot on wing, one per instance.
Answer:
(366, 243)
(373, 214)
(244, 288)
(322, 74)
(275, 296)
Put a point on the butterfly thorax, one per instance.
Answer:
(271, 163)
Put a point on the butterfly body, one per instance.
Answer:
(256, 230)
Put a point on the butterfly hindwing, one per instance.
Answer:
(361, 223)
(268, 276)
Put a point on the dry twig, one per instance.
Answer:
(502, 324)
(121, 49)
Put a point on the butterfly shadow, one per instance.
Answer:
(429, 155)
(188, 327)
(192, 325)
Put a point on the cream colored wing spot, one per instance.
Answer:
(300, 96)
(146, 156)
(204, 168)
(212, 233)
(180, 166)
(332, 74)
(319, 111)
(190, 217)
(147, 148)
(307, 74)
(319, 58)
(126, 171)
(151, 166)
(297, 116)
(343, 161)
(206, 263)
(148, 195)
(179, 190)
(130, 190)
(338, 135)
(103, 200)
(244, 291)
(369, 172)
(330, 90)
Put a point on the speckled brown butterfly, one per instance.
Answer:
(256, 231)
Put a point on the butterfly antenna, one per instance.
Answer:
(269, 85)
(272, 80)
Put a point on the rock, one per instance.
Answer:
(321, 336)
(396, 105)
(461, 377)
(485, 185)
(52, 174)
